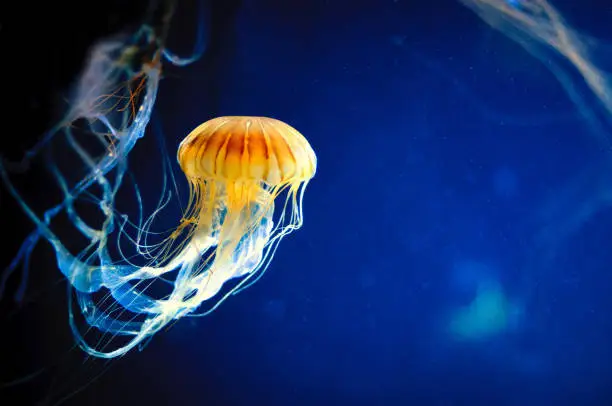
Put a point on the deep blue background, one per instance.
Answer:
(447, 156)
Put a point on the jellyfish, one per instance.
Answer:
(490, 311)
(488, 315)
(236, 169)
(541, 30)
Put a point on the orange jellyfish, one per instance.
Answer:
(237, 168)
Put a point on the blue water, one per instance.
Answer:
(451, 164)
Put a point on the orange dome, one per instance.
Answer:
(247, 148)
